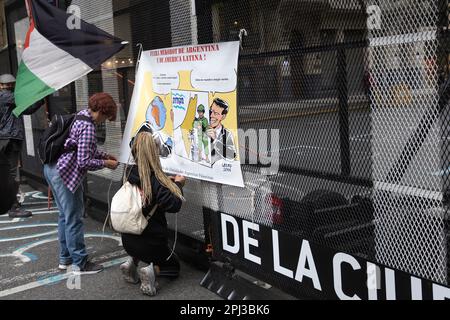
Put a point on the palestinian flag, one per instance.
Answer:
(56, 53)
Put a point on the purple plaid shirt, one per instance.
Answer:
(73, 165)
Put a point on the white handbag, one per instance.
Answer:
(126, 210)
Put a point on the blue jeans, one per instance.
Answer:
(70, 225)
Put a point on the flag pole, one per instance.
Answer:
(30, 16)
(49, 191)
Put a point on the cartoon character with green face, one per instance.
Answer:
(199, 126)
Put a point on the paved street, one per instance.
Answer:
(28, 261)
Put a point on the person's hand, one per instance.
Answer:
(111, 157)
(180, 179)
(210, 132)
(111, 164)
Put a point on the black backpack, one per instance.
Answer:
(51, 144)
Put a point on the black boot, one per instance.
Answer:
(17, 212)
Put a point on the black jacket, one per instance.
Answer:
(166, 200)
(12, 127)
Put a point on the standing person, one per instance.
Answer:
(12, 134)
(151, 247)
(65, 179)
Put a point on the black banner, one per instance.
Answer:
(303, 266)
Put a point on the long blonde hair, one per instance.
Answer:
(146, 154)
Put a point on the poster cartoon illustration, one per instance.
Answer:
(155, 120)
(191, 120)
(186, 97)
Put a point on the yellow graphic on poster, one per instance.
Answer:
(186, 98)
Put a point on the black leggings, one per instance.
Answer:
(153, 251)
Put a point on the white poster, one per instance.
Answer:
(188, 97)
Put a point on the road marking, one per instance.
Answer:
(35, 195)
(55, 271)
(30, 276)
(21, 254)
(34, 203)
(39, 195)
(26, 226)
(28, 237)
(44, 209)
(54, 279)
(31, 193)
(34, 211)
(12, 221)
(45, 212)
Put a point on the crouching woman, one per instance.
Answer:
(151, 247)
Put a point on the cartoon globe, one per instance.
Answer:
(156, 114)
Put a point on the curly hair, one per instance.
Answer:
(105, 104)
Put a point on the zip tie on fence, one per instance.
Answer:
(242, 33)
(141, 49)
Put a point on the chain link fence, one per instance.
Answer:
(407, 139)
(358, 92)
(362, 120)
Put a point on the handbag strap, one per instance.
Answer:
(152, 212)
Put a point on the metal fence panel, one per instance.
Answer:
(357, 91)
(360, 146)
(406, 140)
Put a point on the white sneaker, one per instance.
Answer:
(63, 267)
(148, 280)
(129, 271)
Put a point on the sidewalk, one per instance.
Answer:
(29, 258)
